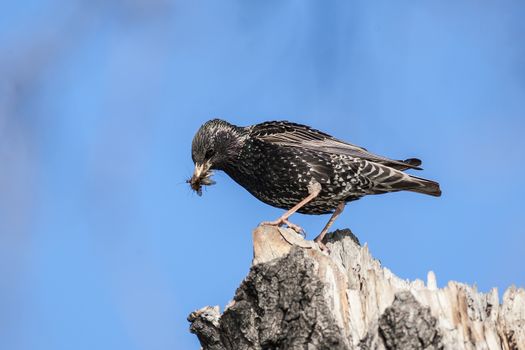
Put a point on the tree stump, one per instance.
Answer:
(298, 297)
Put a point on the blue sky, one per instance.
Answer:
(104, 246)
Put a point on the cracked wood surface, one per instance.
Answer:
(297, 297)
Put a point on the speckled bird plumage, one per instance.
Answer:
(277, 161)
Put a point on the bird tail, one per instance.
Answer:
(412, 162)
(388, 179)
(425, 186)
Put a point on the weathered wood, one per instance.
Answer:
(297, 297)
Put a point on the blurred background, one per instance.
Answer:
(102, 243)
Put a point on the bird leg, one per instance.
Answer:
(313, 189)
(338, 210)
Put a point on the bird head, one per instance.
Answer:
(215, 144)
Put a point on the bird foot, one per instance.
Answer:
(283, 221)
(322, 246)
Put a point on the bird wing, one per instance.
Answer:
(301, 136)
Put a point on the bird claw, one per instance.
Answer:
(322, 246)
(282, 221)
(295, 227)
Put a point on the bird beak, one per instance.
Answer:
(201, 176)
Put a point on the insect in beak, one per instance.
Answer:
(201, 177)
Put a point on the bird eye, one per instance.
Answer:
(209, 153)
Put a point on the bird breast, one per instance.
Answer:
(279, 176)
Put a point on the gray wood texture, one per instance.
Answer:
(297, 297)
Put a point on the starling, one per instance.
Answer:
(297, 168)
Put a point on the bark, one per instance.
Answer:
(297, 297)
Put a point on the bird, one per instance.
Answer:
(298, 168)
